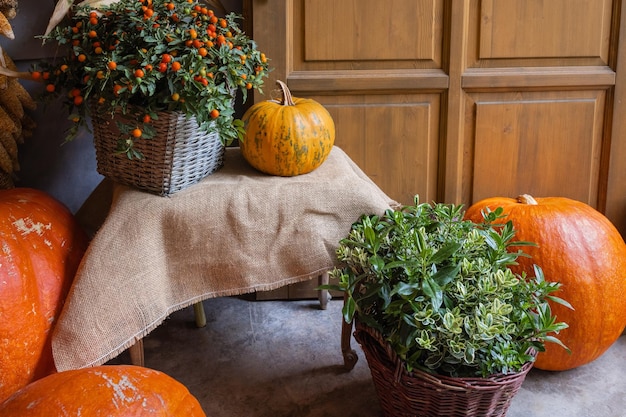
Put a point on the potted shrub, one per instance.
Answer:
(447, 328)
(142, 63)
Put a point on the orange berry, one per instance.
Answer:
(35, 75)
(82, 58)
(223, 23)
(50, 88)
(193, 34)
(146, 118)
(167, 58)
(175, 96)
(136, 133)
(98, 50)
(215, 113)
(92, 34)
(203, 51)
(175, 66)
(112, 65)
(139, 73)
(78, 100)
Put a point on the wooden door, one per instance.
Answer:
(458, 100)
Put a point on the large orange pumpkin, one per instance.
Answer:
(104, 391)
(289, 137)
(41, 245)
(579, 247)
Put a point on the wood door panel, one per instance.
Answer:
(350, 35)
(544, 147)
(393, 139)
(345, 31)
(540, 32)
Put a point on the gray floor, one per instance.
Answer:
(283, 358)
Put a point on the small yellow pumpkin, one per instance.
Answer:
(287, 137)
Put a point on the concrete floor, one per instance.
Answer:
(283, 358)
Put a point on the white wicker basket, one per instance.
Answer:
(178, 156)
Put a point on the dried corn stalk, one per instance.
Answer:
(15, 124)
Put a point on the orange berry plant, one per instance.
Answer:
(141, 57)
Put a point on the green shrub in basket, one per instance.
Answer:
(174, 55)
(439, 290)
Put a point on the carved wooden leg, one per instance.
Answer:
(350, 357)
(323, 295)
(136, 353)
(198, 310)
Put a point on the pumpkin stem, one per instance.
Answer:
(527, 199)
(287, 97)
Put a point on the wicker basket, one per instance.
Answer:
(178, 156)
(420, 394)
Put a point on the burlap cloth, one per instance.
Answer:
(235, 232)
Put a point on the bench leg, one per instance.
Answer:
(198, 310)
(323, 295)
(136, 353)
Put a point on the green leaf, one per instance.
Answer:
(433, 291)
(445, 252)
(405, 288)
(349, 308)
(447, 274)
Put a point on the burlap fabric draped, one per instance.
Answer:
(237, 231)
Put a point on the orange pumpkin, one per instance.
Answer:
(41, 245)
(104, 391)
(579, 247)
(289, 137)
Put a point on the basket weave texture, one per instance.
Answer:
(420, 394)
(178, 156)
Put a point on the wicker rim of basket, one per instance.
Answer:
(488, 383)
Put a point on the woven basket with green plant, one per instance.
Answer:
(438, 289)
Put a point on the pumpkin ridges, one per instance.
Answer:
(107, 390)
(590, 260)
(41, 246)
(288, 137)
